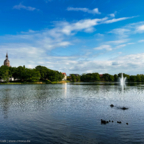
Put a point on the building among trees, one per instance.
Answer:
(6, 61)
(65, 76)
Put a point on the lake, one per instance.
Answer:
(71, 113)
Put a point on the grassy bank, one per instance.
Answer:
(59, 82)
(42, 82)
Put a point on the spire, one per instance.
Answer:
(6, 55)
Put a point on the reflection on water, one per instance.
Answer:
(71, 113)
(65, 90)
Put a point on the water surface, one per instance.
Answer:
(72, 113)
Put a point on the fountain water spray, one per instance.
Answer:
(122, 80)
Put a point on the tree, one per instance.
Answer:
(73, 77)
(138, 78)
(32, 75)
(13, 72)
(43, 71)
(115, 77)
(6, 76)
(78, 78)
(106, 76)
(111, 78)
(96, 77)
(133, 78)
(4, 73)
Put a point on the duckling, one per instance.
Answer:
(124, 108)
(119, 122)
(111, 105)
(127, 123)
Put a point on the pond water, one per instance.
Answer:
(72, 113)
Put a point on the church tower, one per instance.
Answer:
(7, 62)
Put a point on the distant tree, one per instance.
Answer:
(106, 77)
(13, 72)
(4, 73)
(96, 77)
(142, 78)
(21, 73)
(78, 78)
(6, 76)
(68, 78)
(44, 71)
(111, 78)
(138, 78)
(115, 77)
(32, 75)
(73, 77)
(133, 78)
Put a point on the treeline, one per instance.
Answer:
(92, 77)
(21, 73)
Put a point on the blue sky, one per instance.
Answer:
(74, 36)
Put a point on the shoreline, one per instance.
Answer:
(55, 82)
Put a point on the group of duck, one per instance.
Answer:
(122, 108)
(105, 122)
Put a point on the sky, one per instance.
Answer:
(74, 36)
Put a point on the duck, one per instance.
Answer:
(103, 121)
(127, 123)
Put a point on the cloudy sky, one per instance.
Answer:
(74, 36)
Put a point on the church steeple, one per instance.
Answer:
(6, 55)
(7, 62)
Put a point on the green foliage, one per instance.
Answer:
(5, 73)
(68, 78)
(106, 77)
(42, 73)
(48, 74)
(75, 78)
(30, 75)
(115, 77)
(48, 82)
(90, 77)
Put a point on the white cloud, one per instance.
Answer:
(140, 28)
(20, 6)
(118, 41)
(86, 25)
(35, 47)
(126, 31)
(113, 14)
(116, 20)
(99, 35)
(103, 47)
(94, 11)
(130, 43)
(141, 41)
(120, 46)
(121, 32)
(109, 47)
(130, 64)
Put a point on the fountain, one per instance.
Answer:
(122, 80)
